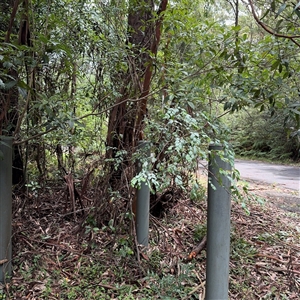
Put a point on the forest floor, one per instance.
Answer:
(57, 257)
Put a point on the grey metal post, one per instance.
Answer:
(142, 202)
(218, 227)
(5, 206)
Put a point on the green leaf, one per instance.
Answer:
(273, 6)
(7, 64)
(295, 111)
(278, 24)
(295, 105)
(256, 93)
(297, 12)
(191, 105)
(280, 10)
(236, 28)
(267, 11)
(275, 65)
(227, 105)
(10, 84)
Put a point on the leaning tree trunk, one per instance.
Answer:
(126, 118)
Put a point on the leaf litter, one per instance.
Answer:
(56, 257)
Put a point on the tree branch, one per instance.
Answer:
(82, 117)
(271, 31)
(11, 21)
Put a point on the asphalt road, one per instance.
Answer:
(282, 175)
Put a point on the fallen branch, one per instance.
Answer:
(197, 249)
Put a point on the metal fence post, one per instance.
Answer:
(218, 226)
(143, 201)
(5, 206)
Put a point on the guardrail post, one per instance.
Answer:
(143, 201)
(218, 226)
(5, 206)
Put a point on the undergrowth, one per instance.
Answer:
(55, 257)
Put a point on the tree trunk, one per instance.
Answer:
(125, 126)
(9, 118)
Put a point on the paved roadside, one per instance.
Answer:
(284, 176)
(280, 184)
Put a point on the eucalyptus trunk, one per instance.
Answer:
(126, 118)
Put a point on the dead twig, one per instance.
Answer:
(198, 249)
